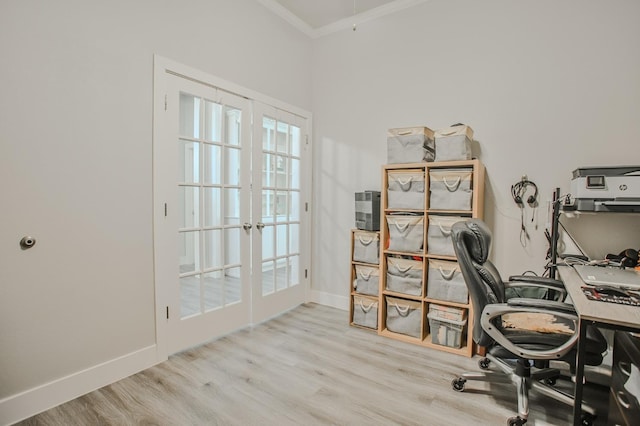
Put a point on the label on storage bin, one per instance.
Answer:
(448, 312)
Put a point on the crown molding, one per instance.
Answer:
(346, 23)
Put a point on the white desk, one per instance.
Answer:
(601, 314)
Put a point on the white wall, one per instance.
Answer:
(76, 163)
(547, 86)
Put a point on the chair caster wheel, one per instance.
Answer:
(516, 421)
(587, 419)
(458, 384)
(484, 363)
(551, 381)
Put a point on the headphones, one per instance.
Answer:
(627, 257)
(519, 189)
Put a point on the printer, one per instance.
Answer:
(605, 189)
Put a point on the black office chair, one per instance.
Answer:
(522, 353)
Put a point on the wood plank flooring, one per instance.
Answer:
(305, 367)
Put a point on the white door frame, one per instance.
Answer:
(163, 67)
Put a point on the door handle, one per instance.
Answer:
(246, 226)
(27, 242)
(260, 225)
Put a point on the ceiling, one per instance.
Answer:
(320, 17)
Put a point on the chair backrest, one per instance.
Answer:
(472, 244)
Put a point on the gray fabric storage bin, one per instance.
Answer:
(453, 143)
(365, 312)
(445, 282)
(404, 276)
(410, 145)
(406, 233)
(439, 234)
(404, 316)
(450, 189)
(367, 280)
(405, 189)
(366, 247)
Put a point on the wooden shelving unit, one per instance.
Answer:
(476, 211)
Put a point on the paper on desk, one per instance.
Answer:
(632, 386)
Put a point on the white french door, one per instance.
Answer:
(280, 153)
(205, 155)
(231, 223)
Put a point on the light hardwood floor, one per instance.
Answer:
(305, 367)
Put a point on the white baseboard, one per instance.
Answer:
(33, 401)
(328, 299)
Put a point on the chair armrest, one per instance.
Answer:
(550, 282)
(536, 306)
(542, 304)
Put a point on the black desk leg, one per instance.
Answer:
(582, 343)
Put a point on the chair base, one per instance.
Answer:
(524, 378)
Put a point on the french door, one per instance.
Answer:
(205, 178)
(230, 212)
(280, 153)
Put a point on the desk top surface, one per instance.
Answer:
(603, 312)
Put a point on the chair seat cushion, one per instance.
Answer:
(538, 323)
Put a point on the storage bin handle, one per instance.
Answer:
(405, 183)
(449, 132)
(401, 227)
(444, 231)
(445, 275)
(401, 269)
(368, 308)
(402, 311)
(451, 187)
(365, 275)
(364, 241)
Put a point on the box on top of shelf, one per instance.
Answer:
(453, 143)
(366, 246)
(368, 210)
(405, 189)
(450, 189)
(365, 311)
(410, 145)
(445, 282)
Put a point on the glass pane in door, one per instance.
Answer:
(209, 188)
(281, 147)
